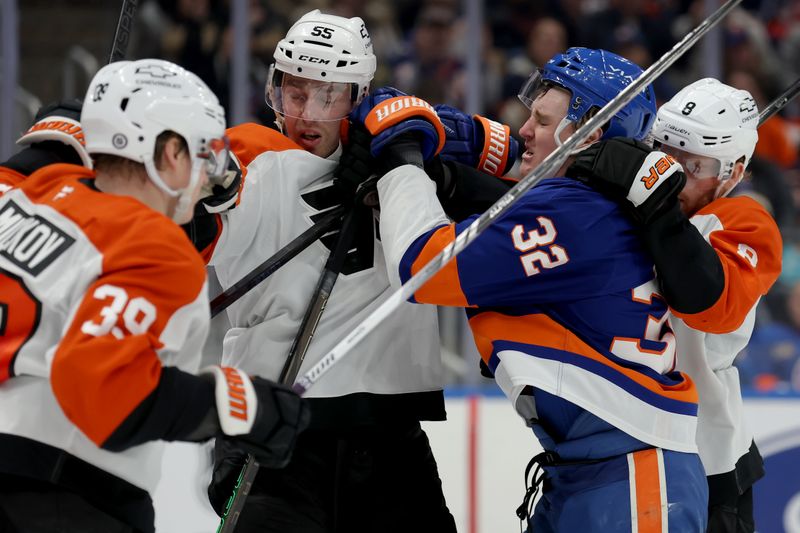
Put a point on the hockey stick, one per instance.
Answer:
(265, 269)
(294, 359)
(122, 34)
(779, 103)
(550, 164)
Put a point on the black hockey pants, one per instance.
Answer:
(375, 478)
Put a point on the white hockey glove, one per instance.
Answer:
(55, 137)
(262, 417)
(644, 181)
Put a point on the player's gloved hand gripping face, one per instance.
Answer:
(389, 114)
(647, 181)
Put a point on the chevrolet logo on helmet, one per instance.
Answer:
(156, 71)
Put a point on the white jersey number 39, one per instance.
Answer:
(137, 314)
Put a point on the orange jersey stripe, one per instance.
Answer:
(444, 288)
(749, 247)
(648, 491)
(541, 330)
(100, 379)
(250, 140)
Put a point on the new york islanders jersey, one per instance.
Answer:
(284, 192)
(748, 244)
(102, 297)
(559, 296)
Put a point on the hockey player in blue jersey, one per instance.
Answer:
(563, 306)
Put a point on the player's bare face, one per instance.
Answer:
(312, 113)
(702, 182)
(547, 111)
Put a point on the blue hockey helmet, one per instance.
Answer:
(594, 78)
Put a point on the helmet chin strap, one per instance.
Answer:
(557, 137)
(183, 195)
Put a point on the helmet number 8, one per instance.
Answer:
(687, 109)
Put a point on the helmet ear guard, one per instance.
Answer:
(710, 119)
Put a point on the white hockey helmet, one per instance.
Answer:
(332, 50)
(711, 119)
(130, 103)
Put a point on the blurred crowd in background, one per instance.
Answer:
(420, 47)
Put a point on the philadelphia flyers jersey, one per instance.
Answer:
(748, 244)
(101, 299)
(560, 297)
(285, 191)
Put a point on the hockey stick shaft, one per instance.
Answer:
(122, 35)
(265, 269)
(294, 359)
(779, 102)
(547, 167)
(319, 300)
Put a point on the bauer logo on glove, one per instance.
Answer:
(656, 167)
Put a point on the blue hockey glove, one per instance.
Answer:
(477, 141)
(388, 114)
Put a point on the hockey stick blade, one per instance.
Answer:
(779, 102)
(265, 269)
(550, 165)
(122, 35)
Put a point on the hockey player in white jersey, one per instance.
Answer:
(715, 257)
(365, 446)
(105, 309)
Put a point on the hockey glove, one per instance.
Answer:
(477, 141)
(221, 195)
(646, 182)
(355, 175)
(55, 137)
(388, 113)
(229, 460)
(262, 417)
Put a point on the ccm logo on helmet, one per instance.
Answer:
(237, 400)
(312, 59)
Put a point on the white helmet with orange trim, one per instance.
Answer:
(711, 119)
(336, 53)
(130, 103)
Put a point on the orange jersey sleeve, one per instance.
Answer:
(749, 246)
(135, 319)
(9, 178)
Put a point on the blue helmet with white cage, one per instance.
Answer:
(594, 78)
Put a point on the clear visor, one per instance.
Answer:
(694, 166)
(312, 100)
(215, 155)
(532, 88)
